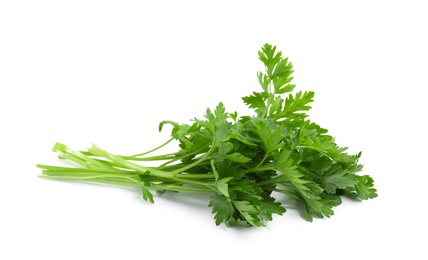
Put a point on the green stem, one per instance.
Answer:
(154, 149)
(152, 171)
(190, 181)
(179, 188)
(132, 183)
(118, 179)
(162, 157)
(77, 157)
(261, 169)
(126, 164)
(176, 158)
(130, 172)
(196, 176)
(262, 161)
(269, 100)
(168, 162)
(129, 182)
(177, 166)
(57, 170)
(276, 179)
(86, 170)
(191, 165)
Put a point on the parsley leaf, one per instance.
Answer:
(222, 208)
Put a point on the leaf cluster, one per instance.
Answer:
(243, 161)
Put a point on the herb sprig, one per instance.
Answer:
(241, 160)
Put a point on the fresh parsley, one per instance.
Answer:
(241, 160)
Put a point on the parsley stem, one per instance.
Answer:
(127, 164)
(262, 161)
(131, 183)
(191, 165)
(182, 156)
(175, 187)
(154, 149)
(89, 177)
(276, 179)
(196, 176)
(181, 164)
(66, 153)
(162, 157)
(260, 169)
(48, 168)
(96, 180)
(119, 178)
(269, 100)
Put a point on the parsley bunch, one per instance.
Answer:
(240, 160)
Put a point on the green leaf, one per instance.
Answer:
(306, 190)
(271, 138)
(244, 186)
(257, 101)
(269, 57)
(147, 196)
(222, 208)
(296, 103)
(233, 116)
(282, 76)
(226, 169)
(224, 148)
(248, 212)
(240, 133)
(263, 80)
(175, 125)
(222, 134)
(223, 187)
(245, 206)
(338, 180)
(276, 106)
(269, 207)
(238, 222)
(364, 188)
(180, 131)
(237, 157)
(282, 69)
(220, 114)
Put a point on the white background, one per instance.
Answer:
(108, 72)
